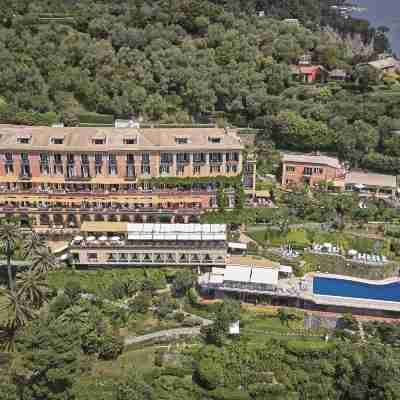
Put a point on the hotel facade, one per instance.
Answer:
(62, 177)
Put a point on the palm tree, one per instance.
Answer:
(43, 261)
(10, 235)
(32, 287)
(33, 244)
(18, 313)
(75, 315)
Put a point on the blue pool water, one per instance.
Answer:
(347, 288)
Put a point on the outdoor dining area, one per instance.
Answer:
(325, 248)
(366, 258)
(352, 255)
(93, 241)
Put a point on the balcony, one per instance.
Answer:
(78, 178)
(25, 176)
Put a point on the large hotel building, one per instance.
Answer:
(65, 176)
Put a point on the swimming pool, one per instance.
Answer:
(330, 286)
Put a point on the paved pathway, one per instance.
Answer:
(166, 334)
(170, 333)
(361, 329)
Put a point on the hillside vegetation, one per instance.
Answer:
(179, 61)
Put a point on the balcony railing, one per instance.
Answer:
(25, 176)
(78, 178)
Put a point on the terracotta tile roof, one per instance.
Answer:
(306, 70)
(371, 179)
(312, 159)
(80, 139)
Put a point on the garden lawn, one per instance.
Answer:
(98, 281)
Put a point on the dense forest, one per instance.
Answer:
(179, 61)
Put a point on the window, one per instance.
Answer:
(130, 140)
(318, 171)
(84, 159)
(44, 158)
(92, 257)
(181, 140)
(24, 157)
(215, 157)
(199, 157)
(290, 168)
(145, 169)
(9, 157)
(234, 169)
(85, 171)
(307, 171)
(44, 169)
(166, 158)
(9, 169)
(98, 158)
(183, 158)
(71, 171)
(24, 140)
(164, 169)
(58, 170)
(215, 169)
(232, 156)
(180, 170)
(97, 169)
(57, 140)
(196, 170)
(214, 139)
(99, 140)
(112, 167)
(70, 159)
(57, 159)
(130, 159)
(145, 158)
(130, 170)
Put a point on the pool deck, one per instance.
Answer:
(369, 304)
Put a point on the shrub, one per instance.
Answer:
(179, 317)
(117, 289)
(141, 303)
(73, 290)
(210, 374)
(110, 347)
(193, 296)
(228, 394)
(59, 304)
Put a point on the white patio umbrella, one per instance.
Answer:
(115, 238)
(103, 238)
(78, 238)
(352, 253)
(90, 238)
